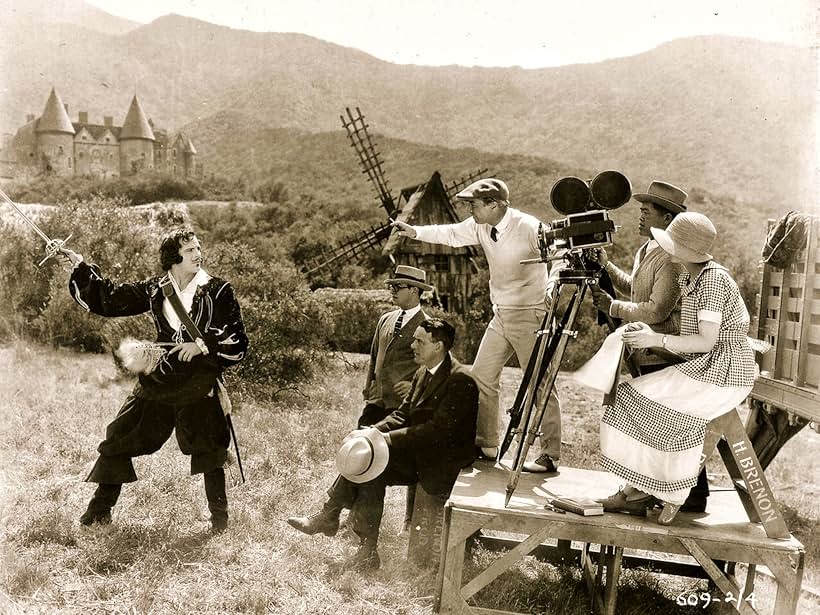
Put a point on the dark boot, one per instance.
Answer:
(366, 557)
(99, 508)
(696, 500)
(326, 521)
(217, 499)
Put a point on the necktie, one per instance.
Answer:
(425, 380)
(494, 234)
(397, 327)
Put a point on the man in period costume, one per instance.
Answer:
(198, 319)
(428, 439)
(519, 294)
(652, 291)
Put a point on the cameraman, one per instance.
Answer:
(653, 291)
(519, 294)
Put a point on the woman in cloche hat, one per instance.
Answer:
(652, 436)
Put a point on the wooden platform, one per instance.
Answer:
(724, 534)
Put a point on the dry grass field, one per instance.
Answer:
(157, 556)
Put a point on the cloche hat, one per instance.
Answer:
(689, 237)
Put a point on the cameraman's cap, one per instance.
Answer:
(411, 276)
(489, 188)
(665, 195)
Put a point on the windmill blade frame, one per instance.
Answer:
(369, 158)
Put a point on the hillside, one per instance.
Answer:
(728, 115)
(330, 197)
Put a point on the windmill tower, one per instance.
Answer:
(448, 269)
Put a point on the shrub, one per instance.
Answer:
(287, 326)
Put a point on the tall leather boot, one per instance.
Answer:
(217, 499)
(101, 503)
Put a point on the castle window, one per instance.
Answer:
(69, 162)
(81, 155)
(60, 150)
(107, 140)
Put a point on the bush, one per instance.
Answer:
(288, 327)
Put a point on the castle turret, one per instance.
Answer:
(136, 141)
(55, 137)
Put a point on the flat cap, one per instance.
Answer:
(488, 188)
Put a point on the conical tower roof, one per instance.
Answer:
(55, 118)
(136, 124)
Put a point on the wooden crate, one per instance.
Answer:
(788, 317)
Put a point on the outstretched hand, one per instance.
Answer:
(404, 229)
(187, 351)
(70, 256)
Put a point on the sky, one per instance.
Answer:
(526, 33)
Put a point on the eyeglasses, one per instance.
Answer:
(397, 286)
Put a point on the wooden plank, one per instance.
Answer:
(588, 572)
(720, 579)
(787, 570)
(502, 564)
(779, 345)
(561, 556)
(613, 574)
(468, 523)
(757, 486)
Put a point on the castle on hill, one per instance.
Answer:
(53, 144)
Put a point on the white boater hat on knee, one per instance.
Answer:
(363, 457)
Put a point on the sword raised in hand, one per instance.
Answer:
(53, 246)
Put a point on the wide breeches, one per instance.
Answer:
(142, 426)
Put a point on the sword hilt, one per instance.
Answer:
(53, 247)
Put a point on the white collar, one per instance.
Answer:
(503, 223)
(434, 369)
(200, 278)
(409, 313)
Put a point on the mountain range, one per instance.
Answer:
(727, 115)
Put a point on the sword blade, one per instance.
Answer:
(14, 206)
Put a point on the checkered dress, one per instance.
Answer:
(652, 436)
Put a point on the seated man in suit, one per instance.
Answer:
(428, 439)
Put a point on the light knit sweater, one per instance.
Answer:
(652, 289)
(512, 285)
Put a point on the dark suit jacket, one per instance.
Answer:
(436, 427)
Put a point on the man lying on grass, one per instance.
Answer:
(199, 324)
(427, 440)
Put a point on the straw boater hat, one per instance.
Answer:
(363, 457)
(665, 195)
(405, 274)
(489, 188)
(689, 237)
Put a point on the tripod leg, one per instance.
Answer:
(543, 343)
(533, 423)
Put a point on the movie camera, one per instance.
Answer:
(586, 205)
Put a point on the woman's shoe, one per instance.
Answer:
(614, 500)
(668, 513)
(637, 506)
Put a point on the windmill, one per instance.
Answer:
(431, 202)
